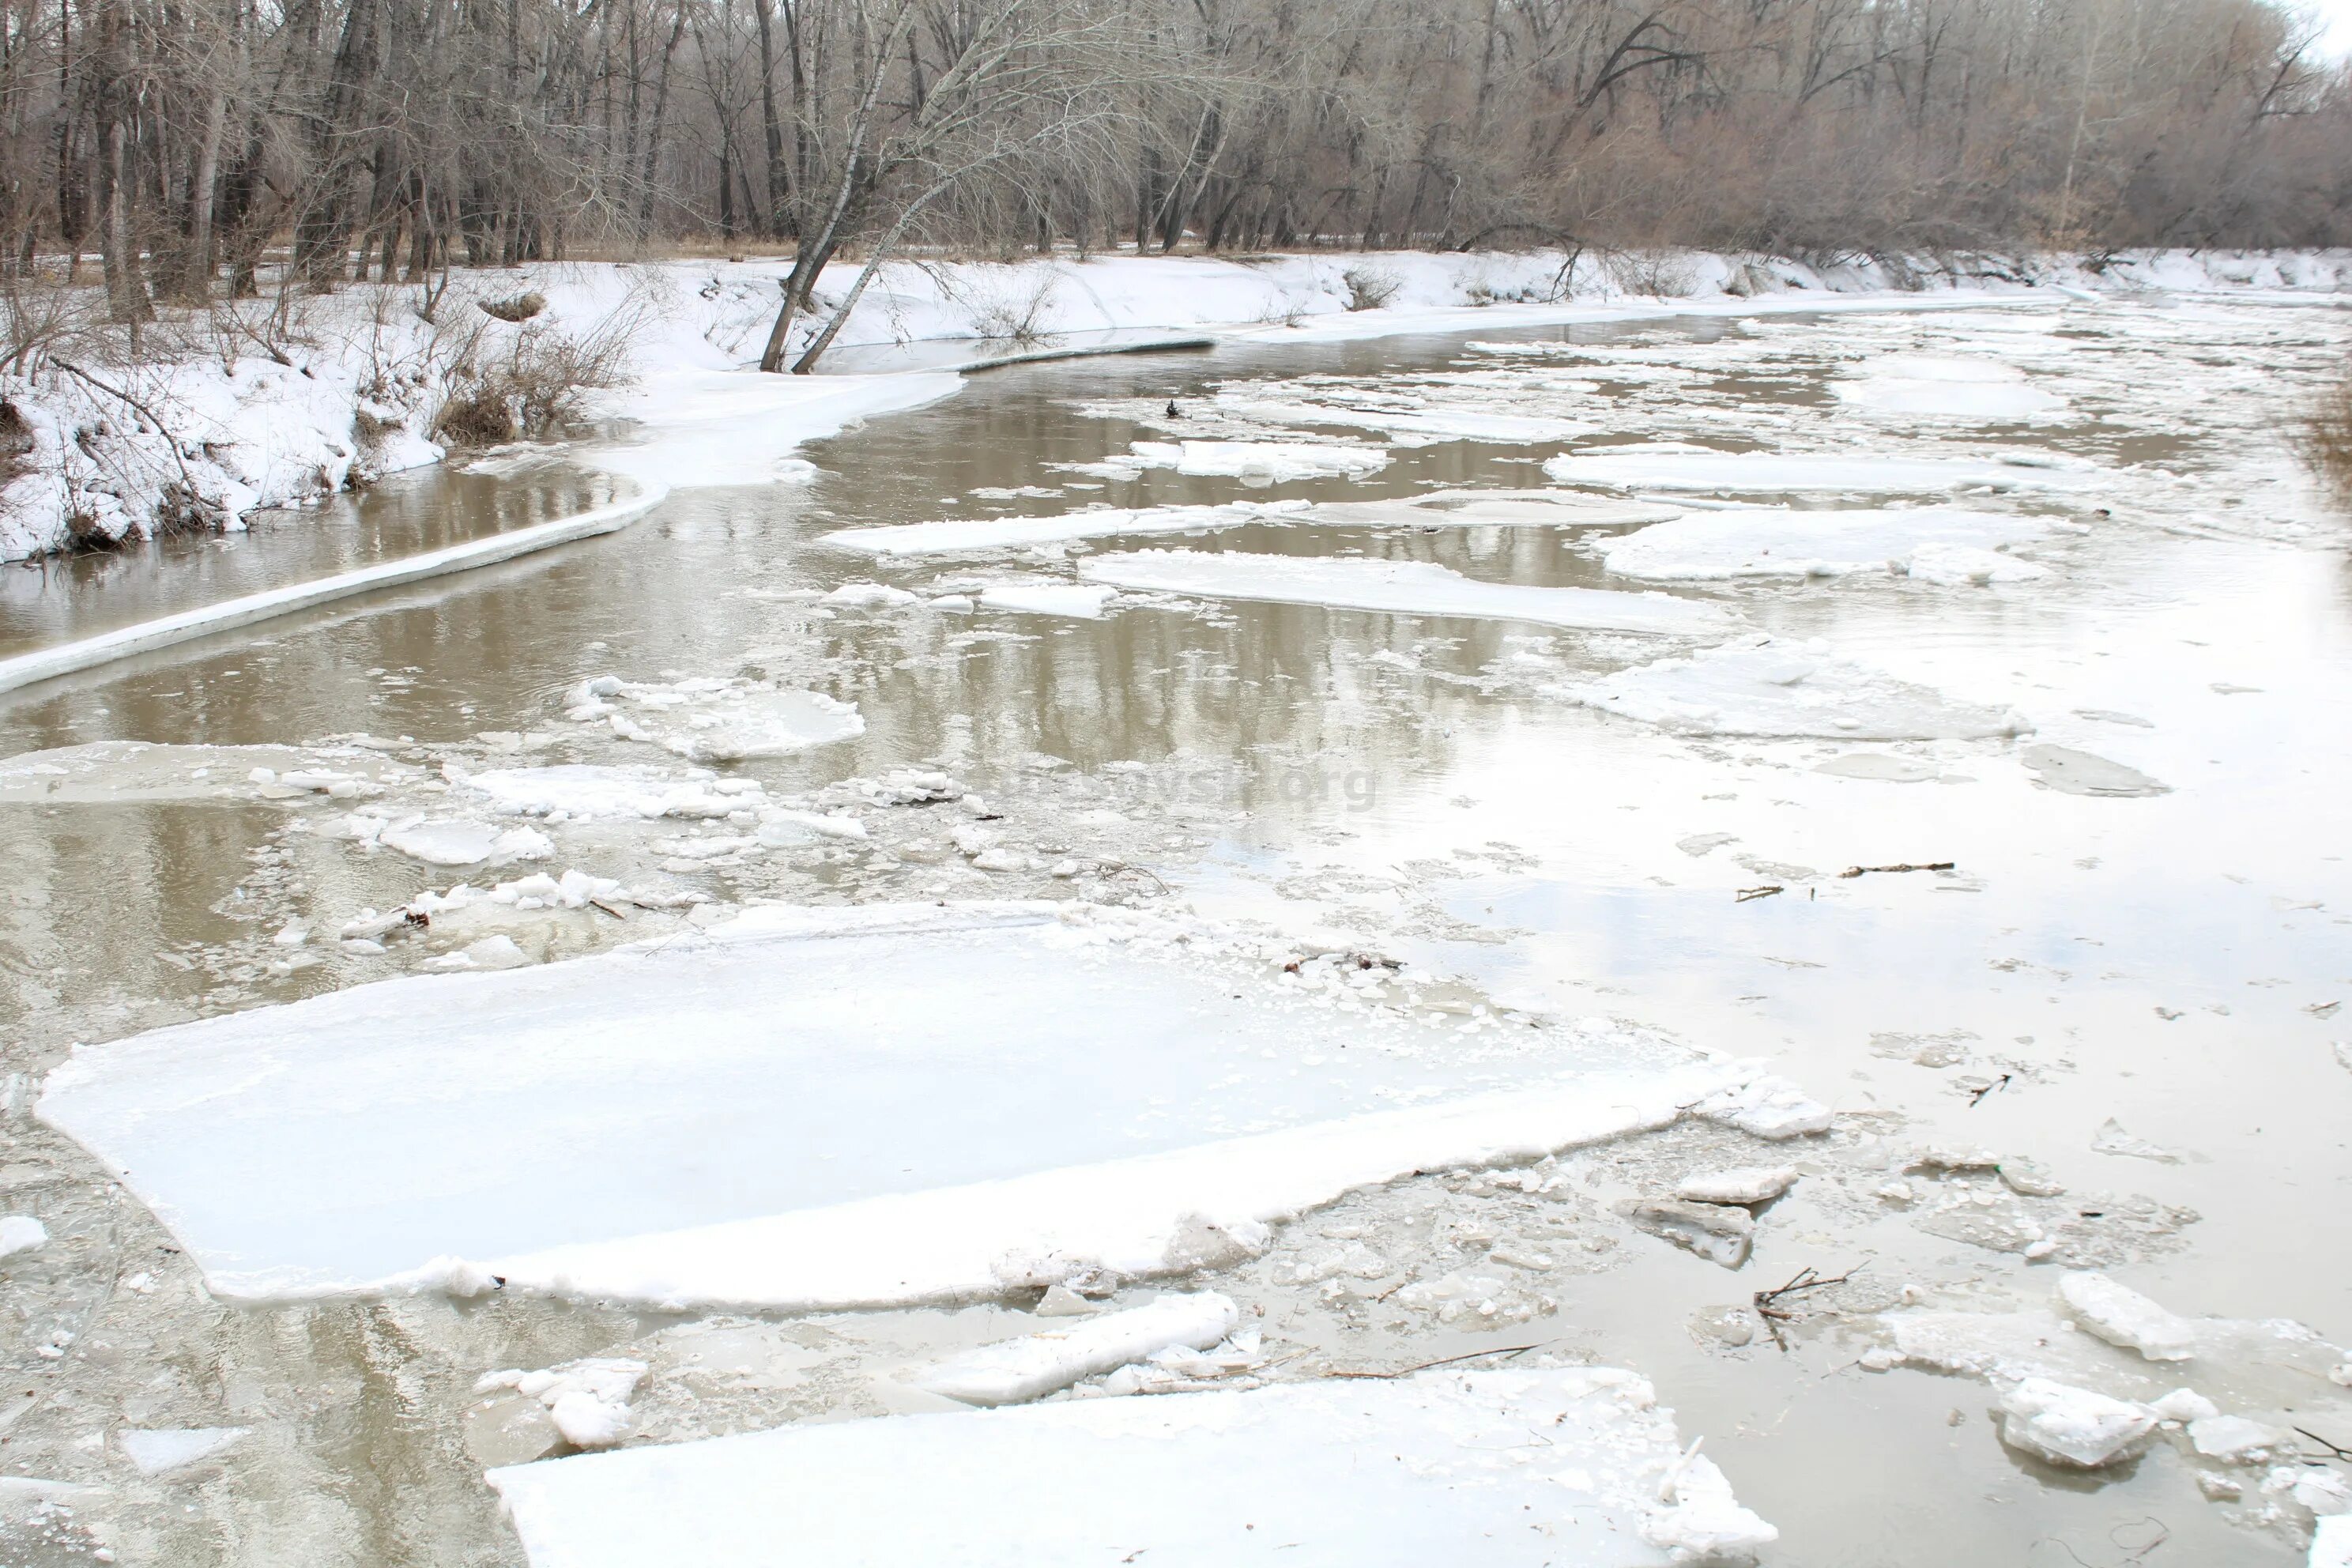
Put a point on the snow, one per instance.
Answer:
(583, 791)
(816, 1107)
(1777, 687)
(2331, 1541)
(588, 1399)
(2071, 1426)
(703, 427)
(1013, 1371)
(161, 1449)
(1768, 1108)
(2123, 1317)
(1035, 596)
(1399, 587)
(1748, 1185)
(168, 631)
(1332, 1474)
(21, 1233)
(1967, 389)
(1780, 542)
(953, 535)
(711, 719)
(1778, 472)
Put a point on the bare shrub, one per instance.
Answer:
(1007, 305)
(530, 388)
(2322, 437)
(517, 309)
(1371, 288)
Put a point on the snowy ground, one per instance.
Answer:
(469, 1059)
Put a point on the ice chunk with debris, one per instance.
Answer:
(1786, 472)
(2072, 1427)
(1398, 587)
(21, 1233)
(1012, 1370)
(1748, 1185)
(158, 1450)
(820, 1107)
(1779, 542)
(2124, 1318)
(587, 1399)
(1415, 1470)
(1719, 1234)
(1772, 686)
(1769, 1108)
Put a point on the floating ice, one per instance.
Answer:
(2123, 1317)
(1399, 587)
(1720, 1235)
(1012, 1370)
(1420, 1469)
(21, 1233)
(438, 841)
(1748, 1185)
(2072, 1427)
(868, 596)
(709, 718)
(579, 792)
(1506, 508)
(1769, 1108)
(588, 1399)
(1265, 461)
(1044, 596)
(954, 534)
(1780, 543)
(2111, 1139)
(2331, 1543)
(1968, 566)
(1785, 472)
(2235, 1440)
(2080, 773)
(1938, 386)
(814, 1108)
(1417, 424)
(117, 772)
(161, 1449)
(1769, 686)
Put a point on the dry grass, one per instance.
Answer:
(533, 388)
(2322, 437)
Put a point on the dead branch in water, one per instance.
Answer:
(1905, 866)
(1768, 1303)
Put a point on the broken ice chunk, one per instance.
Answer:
(1717, 1234)
(2331, 1543)
(1748, 1185)
(21, 1233)
(2184, 1405)
(1769, 1108)
(1707, 1523)
(2072, 1427)
(1013, 1370)
(2080, 773)
(2235, 1440)
(163, 1449)
(2124, 1318)
(2111, 1139)
(587, 1399)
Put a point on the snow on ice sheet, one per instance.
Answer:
(1776, 541)
(1785, 471)
(1436, 1468)
(1943, 386)
(583, 792)
(1776, 687)
(1047, 596)
(1508, 509)
(953, 534)
(1399, 587)
(809, 1108)
(712, 718)
(1270, 462)
(1012, 1370)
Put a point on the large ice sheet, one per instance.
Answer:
(1400, 588)
(1771, 687)
(1778, 472)
(811, 1108)
(1487, 1470)
(1965, 387)
(1778, 542)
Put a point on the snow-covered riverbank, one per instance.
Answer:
(222, 415)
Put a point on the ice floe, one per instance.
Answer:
(809, 1108)
(583, 792)
(118, 772)
(1787, 472)
(712, 718)
(1426, 1468)
(1012, 1370)
(1398, 587)
(1047, 596)
(1264, 462)
(2072, 1427)
(2123, 1317)
(1775, 687)
(1774, 541)
(2065, 769)
(586, 1400)
(21, 1233)
(952, 535)
(158, 1450)
(1946, 386)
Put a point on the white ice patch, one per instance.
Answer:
(952, 535)
(712, 718)
(1780, 542)
(579, 792)
(2331, 1541)
(1047, 596)
(1786, 472)
(1397, 588)
(1968, 566)
(816, 1107)
(1938, 386)
(2072, 1427)
(2123, 1317)
(1506, 508)
(1417, 425)
(1013, 1371)
(21, 1233)
(1780, 689)
(588, 1400)
(1422, 1469)
(160, 1450)
(1267, 462)
(438, 841)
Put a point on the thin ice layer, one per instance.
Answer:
(1783, 689)
(1778, 472)
(812, 1108)
(1434, 1468)
(1399, 587)
(951, 535)
(1777, 541)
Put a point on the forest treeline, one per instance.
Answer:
(178, 143)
